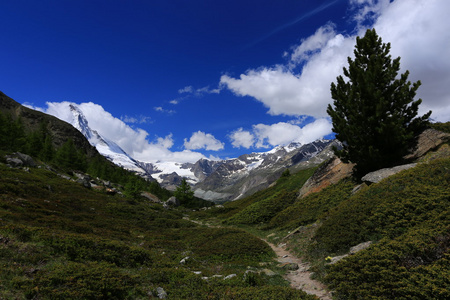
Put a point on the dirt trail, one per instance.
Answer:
(300, 279)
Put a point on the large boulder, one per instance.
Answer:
(18, 159)
(330, 173)
(428, 140)
(377, 176)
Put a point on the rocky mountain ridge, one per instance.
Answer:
(214, 180)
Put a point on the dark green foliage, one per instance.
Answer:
(374, 112)
(91, 280)
(445, 127)
(184, 192)
(415, 265)
(69, 157)
(415, 197)
(12, 133)
(263, 211)
(227, 244)
(312, 207)
(69, 242)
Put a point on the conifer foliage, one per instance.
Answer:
(374, 113)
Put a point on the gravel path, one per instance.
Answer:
(300, 279)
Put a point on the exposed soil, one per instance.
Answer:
(300, 279)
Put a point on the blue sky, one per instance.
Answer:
(180, 80)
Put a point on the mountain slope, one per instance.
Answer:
(107, 148)
(405, 219)
(235, 178)
(61, 131)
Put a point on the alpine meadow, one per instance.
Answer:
(359, 213)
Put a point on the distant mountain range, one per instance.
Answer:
(221, 180)
(214, 180)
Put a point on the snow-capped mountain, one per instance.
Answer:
(107, 148)
(235, 178)
(212, 180)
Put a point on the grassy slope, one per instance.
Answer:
(59, 240)
(406, 215)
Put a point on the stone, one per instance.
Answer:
(85, 181)
(329, 173)
(14, 162)
(377, 176)
(184, 260)
(173, 201)
(428, 140)
(161, 293)
(150, 197)
(360, 247)
(229, 276)
(26, 159)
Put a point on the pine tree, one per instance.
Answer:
(374, 113)
(184, 192)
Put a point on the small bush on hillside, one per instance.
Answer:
(312, 207)
(264, 210)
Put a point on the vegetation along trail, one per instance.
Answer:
(301, 278)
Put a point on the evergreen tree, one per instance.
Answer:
(47, 152)
(374, 113)
(184, 192)
(69, 157)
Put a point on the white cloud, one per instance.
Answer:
(419, 33)
(313, 44)
(136, 120)
(186, 89)
(287, 93)
(282, 133)
(201, 140)
(163, 110)
(133, 141)
(242, 138)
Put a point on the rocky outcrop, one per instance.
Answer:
(151, 197)
(353, 250)
(377, 176)
(329, 173)
(172, 202)
(428, 140)
(17, 160)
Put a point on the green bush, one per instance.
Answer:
(389, 208)
(312, 207)
(92, 280)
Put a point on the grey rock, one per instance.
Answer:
(360, 247)
(428, 140)
(377, 176)
(26, 159)
(173, 201)
(229, 276)
(84, 180)
(184, 260)
(14, 162)
(161, 293)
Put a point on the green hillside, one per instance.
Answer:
(59, 240)
(406, 216)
